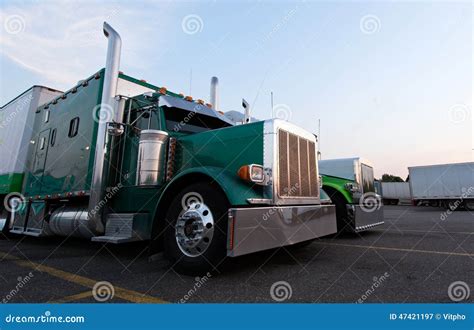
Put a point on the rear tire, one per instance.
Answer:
(195, 238)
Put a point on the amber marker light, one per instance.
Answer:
(252, 173)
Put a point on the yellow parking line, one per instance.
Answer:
(398, 249)
(122, 293)
(74, 297)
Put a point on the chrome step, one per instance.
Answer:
(124, 228)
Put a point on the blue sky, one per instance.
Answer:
(391, 82)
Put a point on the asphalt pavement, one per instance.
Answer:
(421, 254)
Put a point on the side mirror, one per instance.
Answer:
(246, 106)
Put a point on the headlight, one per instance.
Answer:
(352, 187)
(252, 173)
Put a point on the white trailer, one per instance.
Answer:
(447, 185)
(16, 127)
(395, 192)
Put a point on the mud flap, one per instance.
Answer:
(363, 218)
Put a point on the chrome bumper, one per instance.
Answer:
(364, 218)
(261, 228)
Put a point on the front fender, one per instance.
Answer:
(338, 185)
(236, 190)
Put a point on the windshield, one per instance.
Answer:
(367, 178)
(180, 120)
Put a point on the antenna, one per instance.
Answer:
(319, 138)
(271, 101)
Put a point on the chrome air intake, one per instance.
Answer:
(108, 104)
(152, 149)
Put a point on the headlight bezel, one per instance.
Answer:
(253, 173)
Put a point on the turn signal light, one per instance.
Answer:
(252, 173)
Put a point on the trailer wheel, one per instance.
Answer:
(469, 205)
(195, 238)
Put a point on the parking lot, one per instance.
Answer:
(414, 257)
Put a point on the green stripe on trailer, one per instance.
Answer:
(10, 182)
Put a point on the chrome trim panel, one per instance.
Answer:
(363, 219)
(261, 228)
(259, 201)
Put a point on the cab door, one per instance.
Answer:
(41, 154)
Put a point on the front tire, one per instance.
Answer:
(195, 238)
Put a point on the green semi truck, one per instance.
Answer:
(116, 160)
(349, 183)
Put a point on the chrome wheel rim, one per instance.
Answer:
(194, 230)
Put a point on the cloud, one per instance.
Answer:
(63, 41)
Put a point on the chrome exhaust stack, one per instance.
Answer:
(108, 109)
(214, 97)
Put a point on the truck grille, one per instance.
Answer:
(297, 166)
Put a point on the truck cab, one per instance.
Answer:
(350, 184)
(121, 160)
